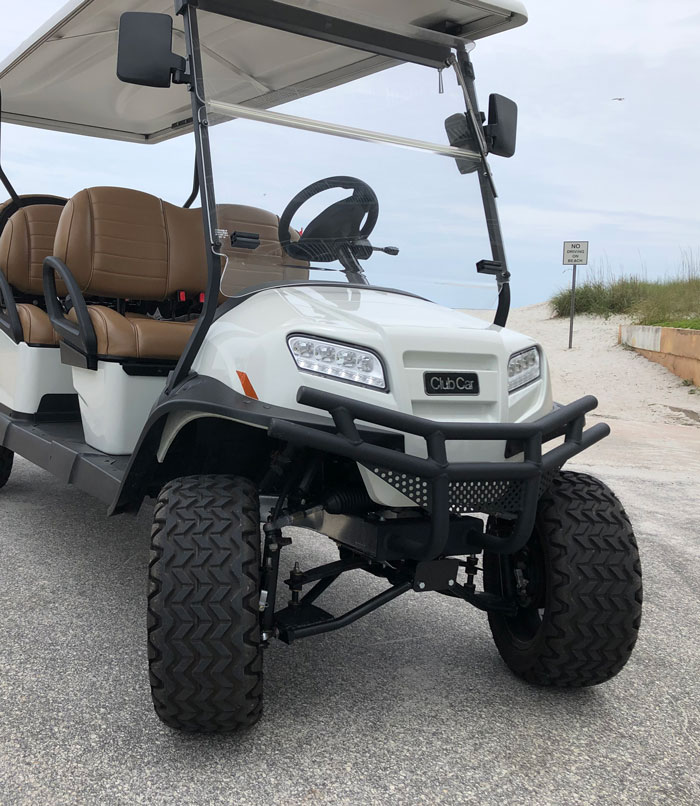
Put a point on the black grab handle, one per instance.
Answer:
(80, 336)
(9, 317)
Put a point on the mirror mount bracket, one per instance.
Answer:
(181, 4)
(180, 71)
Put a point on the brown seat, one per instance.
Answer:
(137, 336)
(124, 244)
(266, 264)
(36, 327)
(26, 239)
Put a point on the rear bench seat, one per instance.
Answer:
(27, 238)
(31, 373)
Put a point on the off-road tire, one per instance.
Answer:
(204, 650)
(6, 460)
(584, 623)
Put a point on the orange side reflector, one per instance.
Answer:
(247, 385)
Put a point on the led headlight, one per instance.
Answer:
(523, 368)
(351, 364)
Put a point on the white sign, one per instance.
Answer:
(576, 253)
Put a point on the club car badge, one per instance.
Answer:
(451, 383)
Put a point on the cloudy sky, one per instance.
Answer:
(623, 175)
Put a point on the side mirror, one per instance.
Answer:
(460, 135)
(502, 127)
(145, 50)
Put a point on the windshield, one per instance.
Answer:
(424, 207)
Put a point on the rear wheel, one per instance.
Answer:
(204, 647)
(579, 588)
(6, 460)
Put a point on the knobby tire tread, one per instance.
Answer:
(204, 647)
(594, 592)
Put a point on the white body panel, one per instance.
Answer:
(114, 406)
(29, 373)
(411, 335)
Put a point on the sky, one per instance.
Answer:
(623, 175)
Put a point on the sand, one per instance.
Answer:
(627, 385)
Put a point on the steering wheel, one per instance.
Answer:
(339, 225)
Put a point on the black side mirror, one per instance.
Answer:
(502, 128)
(145, 50)
(460, 135)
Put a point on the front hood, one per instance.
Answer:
(388, 321)
(363, 310)
(411, 335)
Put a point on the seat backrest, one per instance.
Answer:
(266, 264)
(11, 206)
(121, 243)
(26, 239)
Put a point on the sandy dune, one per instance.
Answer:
(628, 386)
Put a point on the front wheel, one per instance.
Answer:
(204, 650)
(578, 583)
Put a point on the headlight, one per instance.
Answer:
(523, 368)
(341, 361)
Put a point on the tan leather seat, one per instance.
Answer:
(26, 239)
(124, 244)
(136, 336)
(266, 264)
(36, 326)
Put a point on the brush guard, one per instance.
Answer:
(446, 490)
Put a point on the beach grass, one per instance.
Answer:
(672, 301)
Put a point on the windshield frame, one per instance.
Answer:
(417, 45)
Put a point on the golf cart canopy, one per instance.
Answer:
(63, 78)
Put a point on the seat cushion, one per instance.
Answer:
(137, 336)
(36, 326)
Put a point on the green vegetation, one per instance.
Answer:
(671, 302)
(693, 324)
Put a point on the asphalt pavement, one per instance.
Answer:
(410, 705)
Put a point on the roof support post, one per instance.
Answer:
(3, 176)
(206, 183)
(195, 187)
(465, 75)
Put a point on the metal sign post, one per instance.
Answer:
(575, 254)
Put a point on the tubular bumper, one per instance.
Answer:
(438, 473)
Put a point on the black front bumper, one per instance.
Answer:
(447, 490)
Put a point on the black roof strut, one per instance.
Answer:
(3, 176)
(195, 187)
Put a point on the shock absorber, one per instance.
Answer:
(274, 543)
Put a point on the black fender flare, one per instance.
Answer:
(211, 398)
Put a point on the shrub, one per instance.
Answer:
(650, 302)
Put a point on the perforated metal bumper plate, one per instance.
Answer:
(465, 496)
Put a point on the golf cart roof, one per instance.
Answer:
(64, 77)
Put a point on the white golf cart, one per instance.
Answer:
(188, 355)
